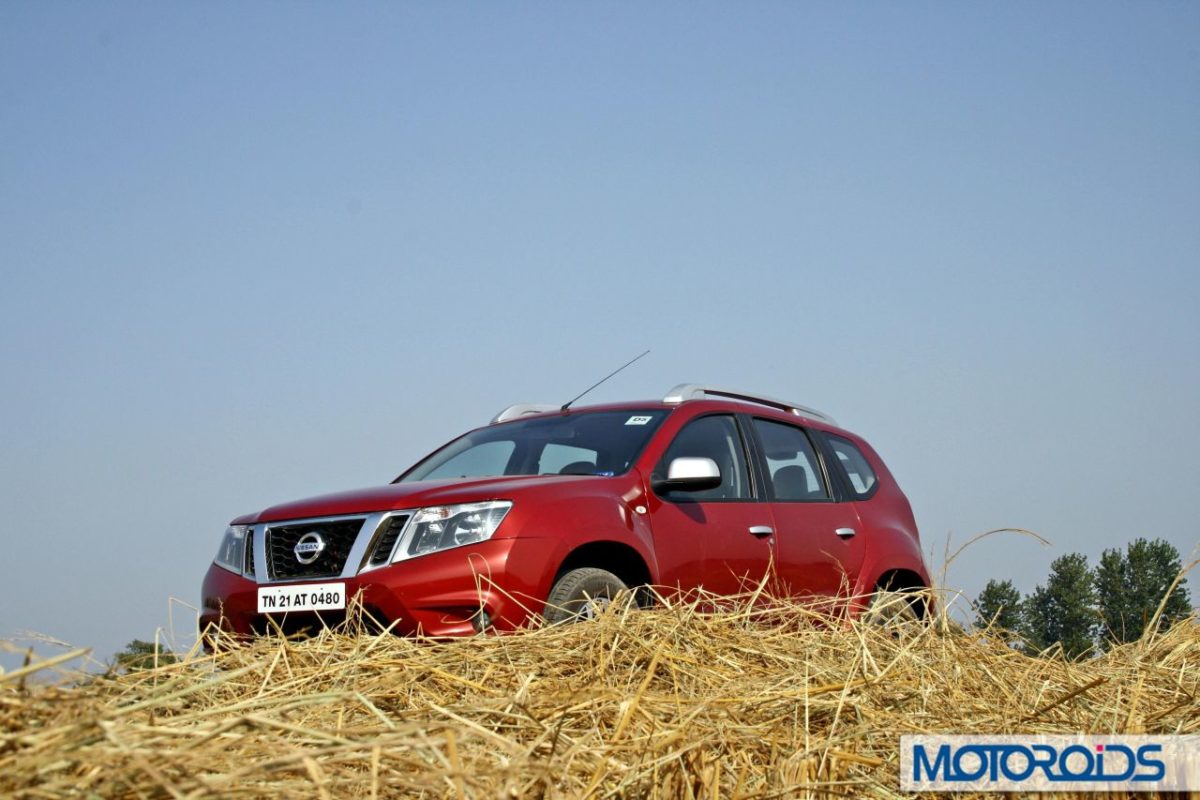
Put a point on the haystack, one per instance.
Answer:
(681, 701)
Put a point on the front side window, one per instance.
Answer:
(714, 437)
(489, 458)
(792, 465)
(578, 443)
(566, 459)
(854, 464)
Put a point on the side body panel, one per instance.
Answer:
(711, 544)
(813, 558)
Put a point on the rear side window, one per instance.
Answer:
(714, 437)
(791, 462)
(854, 465)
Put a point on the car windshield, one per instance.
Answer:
(578, 443)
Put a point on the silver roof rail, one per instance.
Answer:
(522, 410)
(697, 391)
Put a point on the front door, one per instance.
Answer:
(721, 538)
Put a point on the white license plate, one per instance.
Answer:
(301, 597)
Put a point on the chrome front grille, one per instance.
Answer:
(324, 548)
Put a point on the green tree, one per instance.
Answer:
(999, 604)
(1131, 585)
(142, 655)
(1063, 611)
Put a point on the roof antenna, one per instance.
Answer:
(567, 404)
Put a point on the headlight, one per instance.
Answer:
(443, 527)
(232, 553)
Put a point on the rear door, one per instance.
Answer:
(718, 539)
(818, 543)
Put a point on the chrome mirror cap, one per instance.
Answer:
(693, 469)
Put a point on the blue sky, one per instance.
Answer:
(256, 252)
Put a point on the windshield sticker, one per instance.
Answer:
(637, 420)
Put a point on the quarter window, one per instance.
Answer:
(714, 437)
(857, 469)
(791, 462)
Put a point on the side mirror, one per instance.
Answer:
(690, 475)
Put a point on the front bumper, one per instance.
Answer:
(440, 594)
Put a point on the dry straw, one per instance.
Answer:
(769, 699)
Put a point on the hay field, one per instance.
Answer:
(674, 702)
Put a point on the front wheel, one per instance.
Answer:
(582, 594)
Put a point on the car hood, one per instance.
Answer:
(414, 495)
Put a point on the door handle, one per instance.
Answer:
(761, 530)
(845, 533)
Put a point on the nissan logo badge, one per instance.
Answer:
(309, 548)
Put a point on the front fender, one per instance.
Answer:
(565, 523)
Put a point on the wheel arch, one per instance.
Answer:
(899, 580)
(618, 558)
(893, 557)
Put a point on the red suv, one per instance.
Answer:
(547, 512)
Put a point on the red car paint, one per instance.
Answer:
(616, 522)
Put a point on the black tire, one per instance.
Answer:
(894, 608)
(581, 594)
